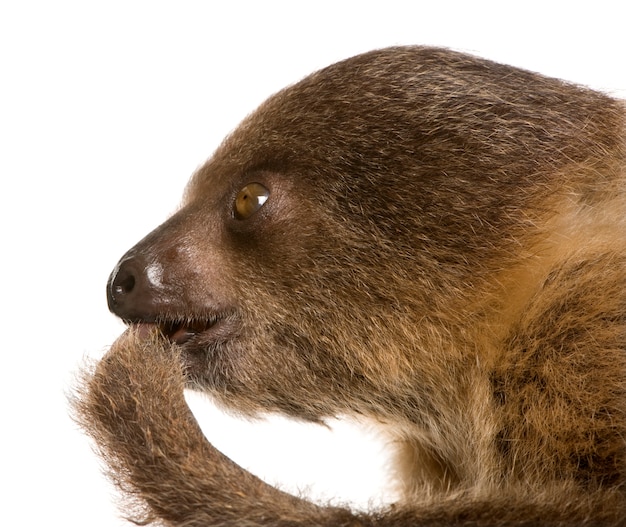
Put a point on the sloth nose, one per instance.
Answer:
(130, 294)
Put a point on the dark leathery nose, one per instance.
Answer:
(130, 294)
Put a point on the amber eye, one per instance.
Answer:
(250, 199)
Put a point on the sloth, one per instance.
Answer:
(422, 239)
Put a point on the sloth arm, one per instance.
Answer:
(133, 406)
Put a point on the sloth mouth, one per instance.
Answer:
(180, 331)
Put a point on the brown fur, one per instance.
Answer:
(442, 252)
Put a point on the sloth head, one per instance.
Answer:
(346, 227)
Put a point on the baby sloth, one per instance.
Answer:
(421, 238)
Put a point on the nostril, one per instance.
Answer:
(123, 285)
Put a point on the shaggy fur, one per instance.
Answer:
(442, 252)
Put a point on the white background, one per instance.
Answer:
(106, 108)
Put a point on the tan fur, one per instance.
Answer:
(442, 251)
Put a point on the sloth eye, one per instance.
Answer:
(250, 199)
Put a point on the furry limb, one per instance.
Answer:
(133, 406)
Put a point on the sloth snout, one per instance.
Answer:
(131, 290)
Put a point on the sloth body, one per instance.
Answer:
(428, 240)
